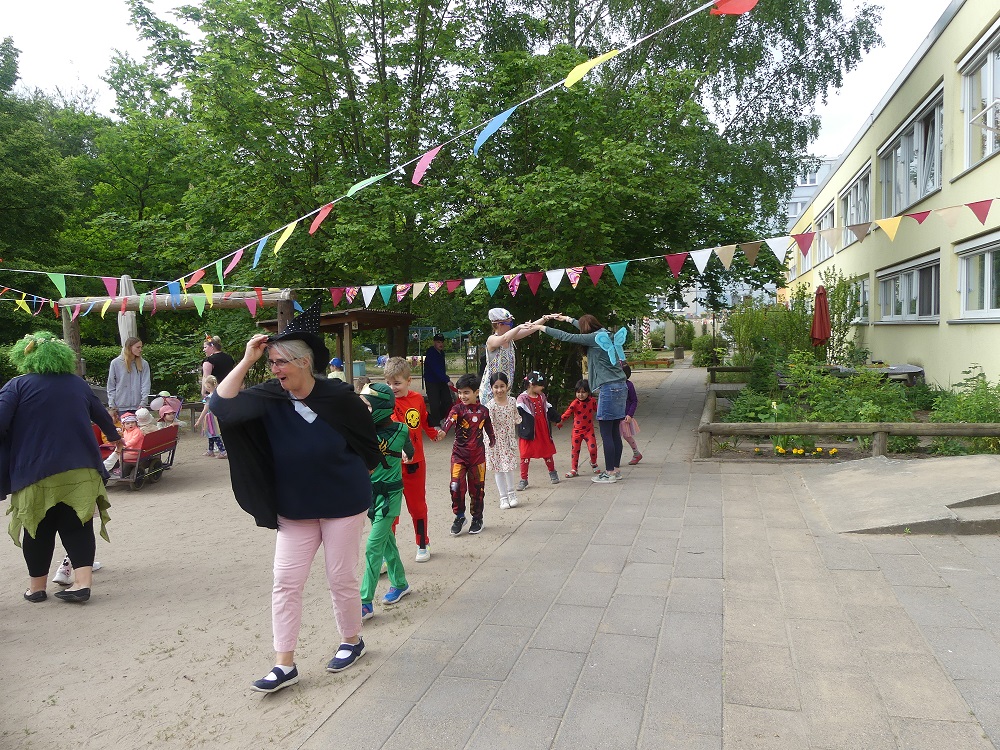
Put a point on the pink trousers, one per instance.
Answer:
(294, 551)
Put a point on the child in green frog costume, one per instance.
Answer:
(387, 496)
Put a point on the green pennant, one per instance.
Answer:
(218, 270)
(618, 269)
(386, 291)
(199, 303)
(59, 279)
(142, 302)
(493, 283)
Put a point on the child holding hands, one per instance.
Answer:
(582, 409)
(502, 455)
(535, 436)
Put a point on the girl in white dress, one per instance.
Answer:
(502, 456)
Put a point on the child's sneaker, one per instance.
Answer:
(456, 528)
(423, 554)
(224, 455)
(384, 569)
(596, 468)
(572, 473)
(554, 477)
(522, 485)
(476, 526)
(210, 454)
(512, 500)
(367, 611)
(605, 478)
(393, 595)
(64, 576)
(618, 475)
(504, 503)
(636, 458)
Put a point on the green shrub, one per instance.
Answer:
(749, 406)
(973, 399)
(656, 338)
(763, 378)
(684, 333)
(706, 352)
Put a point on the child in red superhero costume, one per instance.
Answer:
(468, 457)
(582, 409)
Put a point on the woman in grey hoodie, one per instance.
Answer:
(128, 379)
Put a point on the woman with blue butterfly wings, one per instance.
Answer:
(605, 357)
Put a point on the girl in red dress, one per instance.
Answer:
(535, 410)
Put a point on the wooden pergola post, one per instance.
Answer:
(71, 335)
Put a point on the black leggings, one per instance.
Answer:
(611, 439)
(77, 538)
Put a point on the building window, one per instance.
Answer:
(823, 249)
(981, 290)
(807, 180)
(911, 165)
(795, 209)
(913, 294)
(982, 108)
(855, 205)
(862, 288)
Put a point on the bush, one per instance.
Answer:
(656, 338)
(974, 399)
(684, 333)
(706, 350)
(763, 378)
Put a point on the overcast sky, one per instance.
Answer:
(67, 44)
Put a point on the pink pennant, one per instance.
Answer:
(595, 272)
(401, 291)
(534, 280)
(351, 292)
(425, 161)
(336, 294)
(981, 209)
(196, 277)
(453, 285)
(111, 284)
(154, 304)
(124, 302)
(676, 262)
(433, 286)
(919, 216)
(574, 274)
(320, 218)
(732, 7)
(513, 283)
(251, 305)
(804, 241)
(76, 312)
(232, 264)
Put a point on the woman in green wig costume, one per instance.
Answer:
(55, 477)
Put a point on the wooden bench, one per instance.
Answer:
(655, 363)
(154, 456)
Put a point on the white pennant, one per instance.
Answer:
(368, 293)
(418, 287)
(471, 284)
(779, 246)
(701, 258)
(555, 277)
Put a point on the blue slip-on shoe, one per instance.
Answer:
(367, 611)
(346, 655)
(276, 680)
(393, 595)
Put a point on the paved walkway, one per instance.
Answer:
(696, 605)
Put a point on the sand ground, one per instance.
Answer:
(179, 621)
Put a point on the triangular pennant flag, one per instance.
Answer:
(980, 208)
(861, 230)
(296, 306)
(251, 303)
(199, 303)
(574, 273)
(154, 303)
(433, 286)
(585, 67)
(209, 291)
(418, 287)
(595, 272)
(804, 241)
(89, 308)
(227, 295)
(732, 7)
(36, 305)
(285, 235)
(59, 279)
(184, 286)
(534, 280)
(220, 273)
(105, 306)
(492, 284)
(401, 290)
(618, 269)
(357, 186)
(513, 283)
(491, 127)
(336, 294)
(121, 310)
(76, 312)
(259, 291)
(701, 258)
(351, 292)
(260, 249)
(195, 278)
(5, 290)
(750, 251)
(726, 254)
(111, 284)
(890, 226)
(453, 284)
(555, 277)
(471, 284)
(232, 264)
(778, 246)
(423, 164)
(23, 306)
(832, 237)
(320, 218)
(174, 288)
(368, 294)
(676, 262)
(919, 216)
(142, 302)
(950, 214)
(55, 308)
(386, 291)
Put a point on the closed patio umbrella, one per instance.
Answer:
(126, 320)
(821, 318)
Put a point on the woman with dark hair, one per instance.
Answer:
(128, 379)
(605, 358)
(301, 449)
(217, 363)
(55, 483)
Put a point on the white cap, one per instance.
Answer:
(498, 314)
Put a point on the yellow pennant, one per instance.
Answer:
(105, 306)
(284, 236)
(890, 226)
(22, 304)
(209, 289)
(585, 67)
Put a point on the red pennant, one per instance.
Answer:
(260, 294)
(595, 272)
(320, 218)
(453, 285)
(124, 302)
(55, 309)
(534, 280)
(5, 290)
(804, 241)
(732, 7)
(227, 295)
(196, 277)
(981, 209)
(919, 216)
(676, 262)
(336, 294)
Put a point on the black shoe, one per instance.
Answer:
(476, 526)
(282, 680)
(77, 595)
(38, 596)
(351, 653)
(456, 528)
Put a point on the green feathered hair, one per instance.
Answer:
(43, 353)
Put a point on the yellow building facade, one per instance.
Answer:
(929, 270)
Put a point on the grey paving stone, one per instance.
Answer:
(805, 601)
(600, 721)
(825, 646)
(702, 515)
(840, 554)
(743, 561)
(908, 570)
(701, 538)
(489, 653)
(412, 668)
(756, 728)
(791, 540)
(694, 563)
(435, 723)
(503, 730)
(661, 525)
(973, 588)
(934, 607)
(541, 683)
(863, 587)
(745, 507)
(921, 734)
(568, 628)
(887, 544)
(342, 728)
(778, 517)
(691, 636)
(915, 686)
(523, 608)
(455, 620)
(761, 676)
(634, 615)
(755, 621)
(747, 530)
(844, 712)
(965, 653)
(603, 558)
(983, 697)
(685, 698)
(653, 547)
(645, 579)
(619, 664)
(702, 595)
(588, 589)
(752, 584)
(653, 738)
(797, 566)
(885, 628)
(611, 532)
(947, 552)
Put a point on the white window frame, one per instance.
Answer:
(904, 162)
(863, 287)
(809, 179)
(822, 248)
(981, 108)
(900, 298)
(856, 203)
(986, 248)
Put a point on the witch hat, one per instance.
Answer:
(305, 327)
